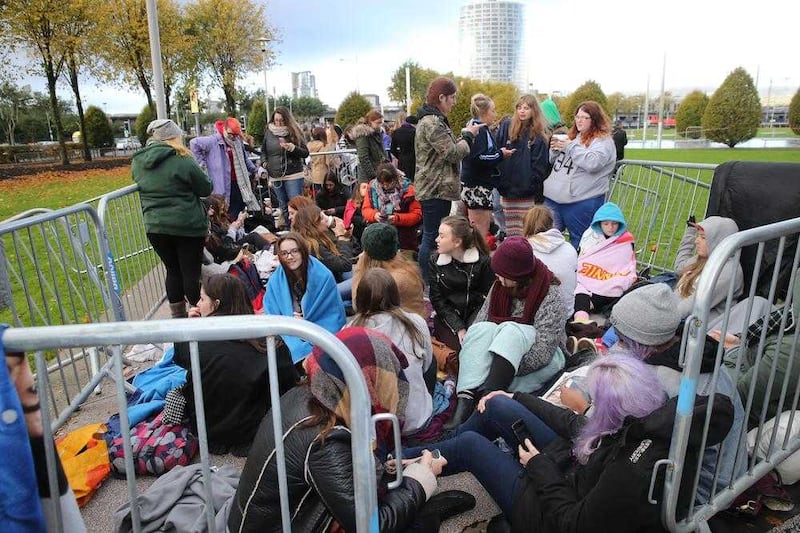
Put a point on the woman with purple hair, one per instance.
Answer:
(592, 474)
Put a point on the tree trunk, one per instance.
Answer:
(50, 72)
(230, 99)
(72, 67)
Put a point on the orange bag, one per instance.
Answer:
(84, 455)
(446, 357)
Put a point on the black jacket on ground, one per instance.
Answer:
(403, 149)
(609, 492)
(235, 388)
(457, 290)
(320, 479)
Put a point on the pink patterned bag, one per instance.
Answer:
(157, 447)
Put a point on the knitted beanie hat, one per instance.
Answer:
(648, 315)
(163, 128)
(513, 259)
(380, 241)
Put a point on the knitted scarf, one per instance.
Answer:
(382, 366)
(242, 174)
(279, 131)
(501, 305)
(388, 201)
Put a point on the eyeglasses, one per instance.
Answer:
(287, 253)
(582, 117)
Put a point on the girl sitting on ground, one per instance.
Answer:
(240, 365)
(333, 197)
(514, 342)
(225, 238)
(378, 302)
(551, 248)
(606, 262)
(353, 217)
(391, 200)
(302, 287)
(460, 277)
(381, 246)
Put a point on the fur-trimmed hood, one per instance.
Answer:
(363, 130)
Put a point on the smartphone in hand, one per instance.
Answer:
(521, 432)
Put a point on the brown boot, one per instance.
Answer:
(178, 310)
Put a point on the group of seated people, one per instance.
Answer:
(581, 463)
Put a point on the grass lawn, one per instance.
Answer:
(715, 155)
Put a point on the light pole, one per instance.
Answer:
(265, 50)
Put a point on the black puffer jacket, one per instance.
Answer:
(457, 290)
(609, 492)
(281, 162)
(320, 479)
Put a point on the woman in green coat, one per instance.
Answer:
(171, 185)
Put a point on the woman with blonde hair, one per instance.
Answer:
(522, 175)
(582, 166)
(479, 170)
(171, 186)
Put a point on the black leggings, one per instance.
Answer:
(182, 257)
(595, 302)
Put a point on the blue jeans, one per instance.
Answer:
(346, 287)
(471, 448)
(575, 217)
(286, 190)
(433, 211)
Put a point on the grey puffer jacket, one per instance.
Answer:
(548, 322)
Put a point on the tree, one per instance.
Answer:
(257, 120)
(98, 128)
(226, 32)
(352, 108)
(588, 91)
(733, 113)
(307, 107)
(504, 96)
(147, 116)
(689, 116)
(420, 79)
(12, 101)
(794, 113)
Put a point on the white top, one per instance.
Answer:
(560, 257)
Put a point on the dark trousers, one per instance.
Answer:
(182, 257)
(433, 211)
(596, 302)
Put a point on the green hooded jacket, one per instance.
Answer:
(170, 188)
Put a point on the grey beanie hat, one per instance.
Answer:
(163, 128)
(648, 315)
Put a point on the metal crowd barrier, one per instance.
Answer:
(657, 198)
(140, 273)
(736, 363)
(57, 269)
(117, 335)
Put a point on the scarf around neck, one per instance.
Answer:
(501, 305)
(279, 131)
(388, 201)
(242, 173)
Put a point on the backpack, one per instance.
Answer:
(157, 447)
(246, 271)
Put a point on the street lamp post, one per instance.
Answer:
(264, 43)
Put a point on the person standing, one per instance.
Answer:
(284, 151)
(438, 154)
(224, 157)
(620, 139)
(582, 166)
(171, 185)
(403, 146)
(368, 138)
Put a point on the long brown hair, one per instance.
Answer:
(299, 276)
(536, 125)
(400, 264)
(688, 276)
(601, 125)
(306, 223)
(377, 293)
(295, 134)
(231, 294)
(539, 218)
(220, 206)
(469, 235)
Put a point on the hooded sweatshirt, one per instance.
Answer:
(170, 188)
(606, 265)
(716, 229)
(581, 172)
(553, 250)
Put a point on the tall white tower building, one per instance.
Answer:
(490, 40)
(304, 84)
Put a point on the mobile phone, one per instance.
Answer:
(521, 432)
(435, 453)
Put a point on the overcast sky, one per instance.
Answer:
(358, 44)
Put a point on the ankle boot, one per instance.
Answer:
(501, 374)
(178, 310)
(464, 407)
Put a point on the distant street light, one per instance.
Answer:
(264, 41)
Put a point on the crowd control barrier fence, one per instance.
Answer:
(114, 336)
(657, 198)
(763, 367)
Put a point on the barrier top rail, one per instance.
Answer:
(226, 328)
(102, 206)
(696, 326)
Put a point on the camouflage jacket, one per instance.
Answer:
(439, 154)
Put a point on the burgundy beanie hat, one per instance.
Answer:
(440, 85)
(514, 259)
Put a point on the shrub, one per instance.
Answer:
(257, 120)
(98, 128)
(588, 91)
(147, 116)
(734, 110)
(352, 108)
(794, 113)
(689, 116)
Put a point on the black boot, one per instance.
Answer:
(464, 407)
(501, 374)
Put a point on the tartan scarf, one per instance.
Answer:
(500, 305)
(382, 366)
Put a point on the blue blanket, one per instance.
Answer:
(321, 303)
(152, 387)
